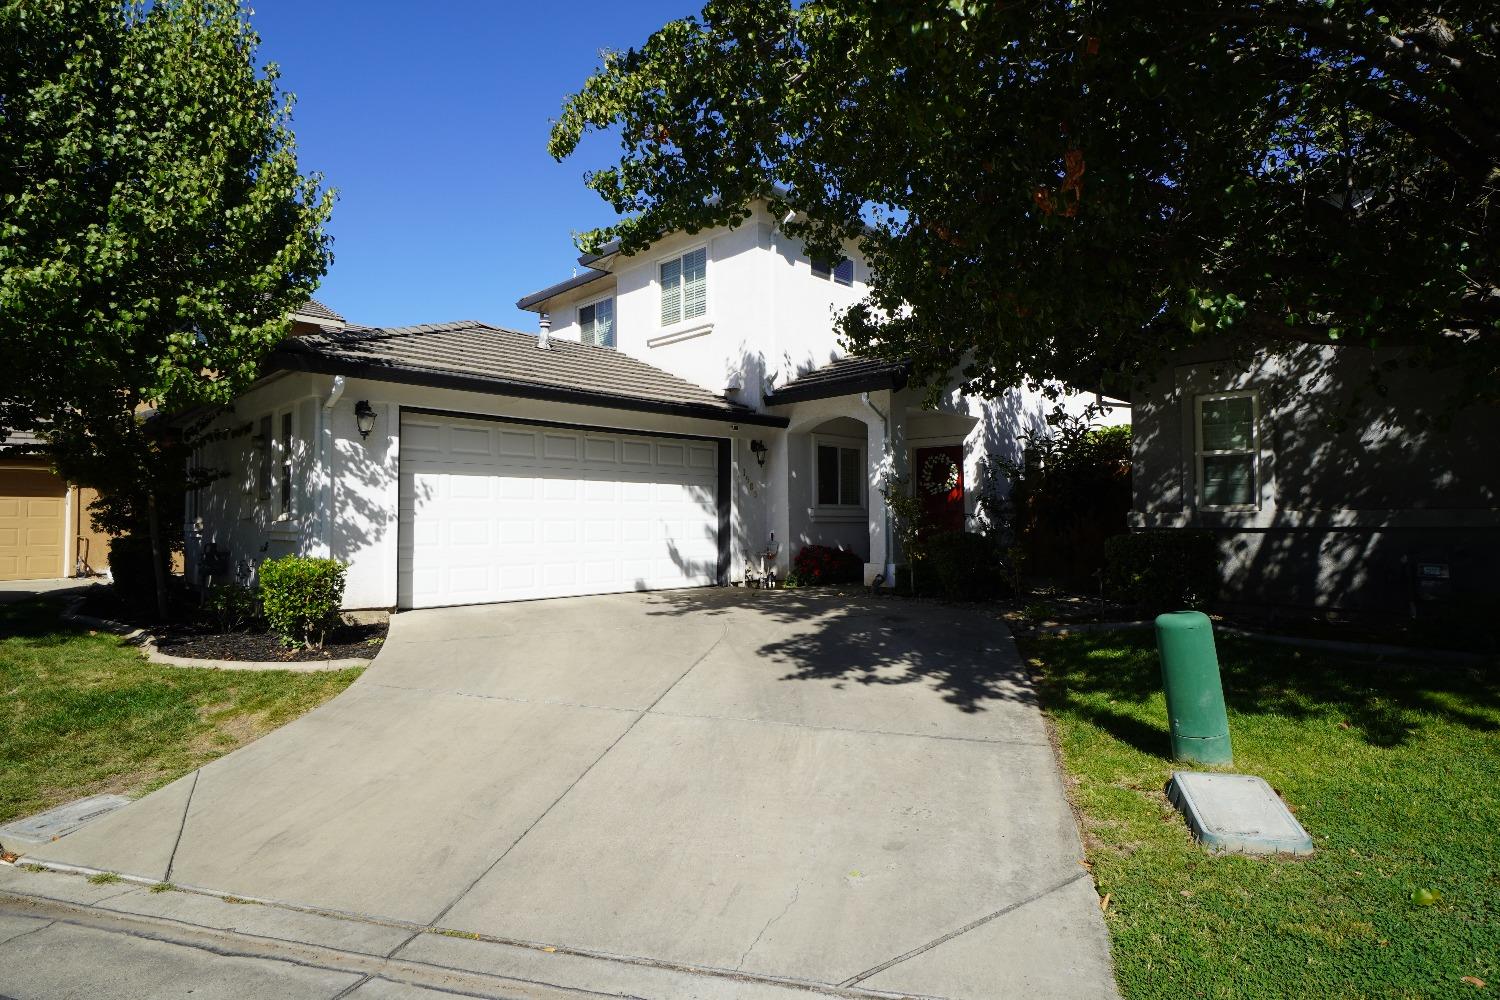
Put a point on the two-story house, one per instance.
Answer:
(676, 410)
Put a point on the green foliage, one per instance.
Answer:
(131, 569)
(817, 565)
(1166, 569)
(155, 230)
(231, 607)
(963, 566)
(1068, 494)
(1388, 765)
(301, 597)
(1063, 191)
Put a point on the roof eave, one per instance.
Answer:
(292, 359)
(892, 379)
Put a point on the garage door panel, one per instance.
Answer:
(551, 512)
(33, 524)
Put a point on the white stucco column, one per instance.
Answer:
(885, 448)
(777, 498)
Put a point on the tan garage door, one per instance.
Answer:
(32, 522)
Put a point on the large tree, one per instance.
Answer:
(1071, 190)
(155, 229)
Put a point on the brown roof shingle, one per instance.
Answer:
(476, 356)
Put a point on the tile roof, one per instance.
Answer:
(478, 357)
(316, 309)
(843, 377)
(589, 276)
(22, 441)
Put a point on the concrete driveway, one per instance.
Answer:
(832, 791)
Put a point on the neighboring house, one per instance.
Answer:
(1325, 492)
(45, 529)
(679, 408)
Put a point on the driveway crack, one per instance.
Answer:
(966, 928)
(172, 858)
(776, 919)
(574, 783)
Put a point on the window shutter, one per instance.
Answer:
(694, 284)
(671, 292)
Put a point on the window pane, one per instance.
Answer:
(820, 269)
(828, 475)
(851, 472)
(263, 474)
(1228, 424)
(1228, 480)
(586, 324)
(694, 284)
(671, 292)
(844, 273)
(286, 463)
(604, 323)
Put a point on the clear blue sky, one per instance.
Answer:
(431, 120)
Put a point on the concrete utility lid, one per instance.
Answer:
(64, 819)
(1237, 814)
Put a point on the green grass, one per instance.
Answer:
(1394, 770)
(85, 713)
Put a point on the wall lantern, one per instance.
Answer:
(364, 416)
(759, 449)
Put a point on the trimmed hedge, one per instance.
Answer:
(962, 566)
(301, 597)
(816, 565)
(1166, 569)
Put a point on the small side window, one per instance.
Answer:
(840, 272)
(263, 460)
(286, 465)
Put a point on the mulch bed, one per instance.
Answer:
(196, 639)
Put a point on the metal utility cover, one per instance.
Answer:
(64, 819)
(1237, 814)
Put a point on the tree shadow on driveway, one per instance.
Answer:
(849, 637)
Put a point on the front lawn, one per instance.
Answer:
(1394, 770)
(85, 713)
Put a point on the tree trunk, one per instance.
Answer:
(158, 554)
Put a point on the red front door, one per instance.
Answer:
(939, 480)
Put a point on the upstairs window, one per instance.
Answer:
(1228, 451)
(596, 323)
(684, 287)
(841, 273)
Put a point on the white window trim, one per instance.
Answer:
(1254, 450)
(683, 328)
(583, 304)
(841, 512)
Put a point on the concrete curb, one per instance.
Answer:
(1330, 645)
(144, 641)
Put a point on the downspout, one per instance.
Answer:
(886, 460)
(325, 447)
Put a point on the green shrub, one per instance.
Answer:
(230, 607)
(301, 597)
(962, 566)
(130, 568)
(817, 565)
(1168, 569)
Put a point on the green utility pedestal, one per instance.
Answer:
(1195, 695)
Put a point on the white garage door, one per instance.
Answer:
(501, 512)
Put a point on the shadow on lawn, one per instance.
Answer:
(1385, 702)
(850, 637)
